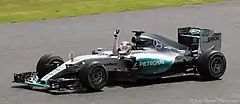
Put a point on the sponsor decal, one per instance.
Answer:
(157, 44)
(213, 39)
(195, 31)
(151, 63)
(195, 40)
(135, 65)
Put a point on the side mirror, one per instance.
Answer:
(94, 52)
(99, 49)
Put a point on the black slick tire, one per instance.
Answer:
(47, 63)
(212, 65)
(93, 76)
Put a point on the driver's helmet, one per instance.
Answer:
(125, 46)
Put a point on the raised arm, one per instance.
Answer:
(115, 42)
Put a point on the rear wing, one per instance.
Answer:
(210, 40)
(198, 39)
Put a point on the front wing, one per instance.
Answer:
(31, 79)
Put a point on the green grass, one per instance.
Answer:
(28, 10)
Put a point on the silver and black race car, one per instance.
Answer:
(151, 56)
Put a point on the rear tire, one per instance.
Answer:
(47, 63)
(93, 76)
(212, 65)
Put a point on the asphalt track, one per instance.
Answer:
(22, 44)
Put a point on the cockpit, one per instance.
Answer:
(139, 41)
(143, 41)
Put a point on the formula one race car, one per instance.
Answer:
(151, 56)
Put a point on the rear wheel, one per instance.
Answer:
(212, 65)
(47, 63)
(93, 76)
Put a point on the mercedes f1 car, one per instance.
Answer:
(152, 56)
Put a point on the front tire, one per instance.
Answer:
(93, 76)
(212, 65)
(47, 63)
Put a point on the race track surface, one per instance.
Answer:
(22, 44)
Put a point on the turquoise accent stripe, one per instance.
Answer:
(38, 84)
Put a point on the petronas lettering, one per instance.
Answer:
(151, 63)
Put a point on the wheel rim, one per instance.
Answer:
(216, 65)
(97, 76)
(56, 63)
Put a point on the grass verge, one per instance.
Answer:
(29, 10)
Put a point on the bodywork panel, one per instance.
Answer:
(76, 65)
(153, 63)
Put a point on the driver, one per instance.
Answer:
(125, 46)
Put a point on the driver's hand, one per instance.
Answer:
(116, 32)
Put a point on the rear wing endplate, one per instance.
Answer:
(209, 40)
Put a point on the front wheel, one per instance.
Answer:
(212, 65)
(93, 76)
(47, 63)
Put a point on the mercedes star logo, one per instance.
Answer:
(157, 44)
